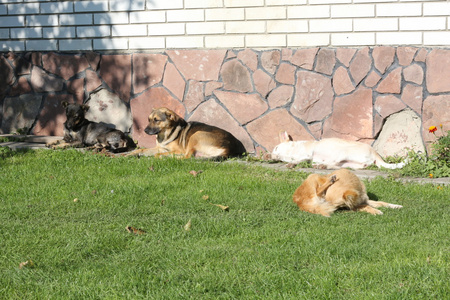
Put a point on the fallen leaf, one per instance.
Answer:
(134, 230)
(188, 225)
(223, 207)
(26, 264)
(195, 173)
(205, 197)
(151, 168)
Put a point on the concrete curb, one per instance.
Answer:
(28, 141)
(363, 174)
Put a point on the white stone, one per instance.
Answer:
(107, 107)
(400, 133)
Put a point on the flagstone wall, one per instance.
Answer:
(312, 93)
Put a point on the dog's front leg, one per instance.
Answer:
(147, 152)
(136, 152)
(63, 145)
(54, 143)
(322, 190)
(170, 153)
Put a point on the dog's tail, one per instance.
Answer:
(316, 205)
(381, 163)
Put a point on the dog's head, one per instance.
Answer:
(162, 119)
(290, 151)
(75, 114)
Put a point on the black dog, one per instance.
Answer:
(80, 132)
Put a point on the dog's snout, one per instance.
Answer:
(151, 130)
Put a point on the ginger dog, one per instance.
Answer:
(341, 189)
(331, 153)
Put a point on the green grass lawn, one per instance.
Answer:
(262, 248)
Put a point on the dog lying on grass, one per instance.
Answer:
(341, 189)
(175, 136)
(80, 132)
(331, 153)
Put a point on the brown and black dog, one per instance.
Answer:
(340, 189)
(80, 132)
(176, 136)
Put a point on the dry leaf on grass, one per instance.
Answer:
(205, 197)
(195, 173)
(134, 230)
(26, 264)
(188, 225)
(223, 207)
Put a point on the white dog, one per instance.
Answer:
(331, 153)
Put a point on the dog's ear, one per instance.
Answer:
(284, 137)
(85, 107)
(172, 116)
(65, 104)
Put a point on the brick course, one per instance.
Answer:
(26, 26)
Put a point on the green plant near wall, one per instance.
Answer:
(437, 164)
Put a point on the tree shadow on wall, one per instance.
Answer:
(113, 70)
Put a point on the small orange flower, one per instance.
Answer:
(430, 175)
(432, 129)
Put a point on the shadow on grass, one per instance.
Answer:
(6, 152)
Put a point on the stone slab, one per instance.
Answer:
(108, 108)
(400, 133)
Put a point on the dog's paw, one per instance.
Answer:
(52, 145)
(333, 179)
(396, 206)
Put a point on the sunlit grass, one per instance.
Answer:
(263, 247)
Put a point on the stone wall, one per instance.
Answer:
(385, 96)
